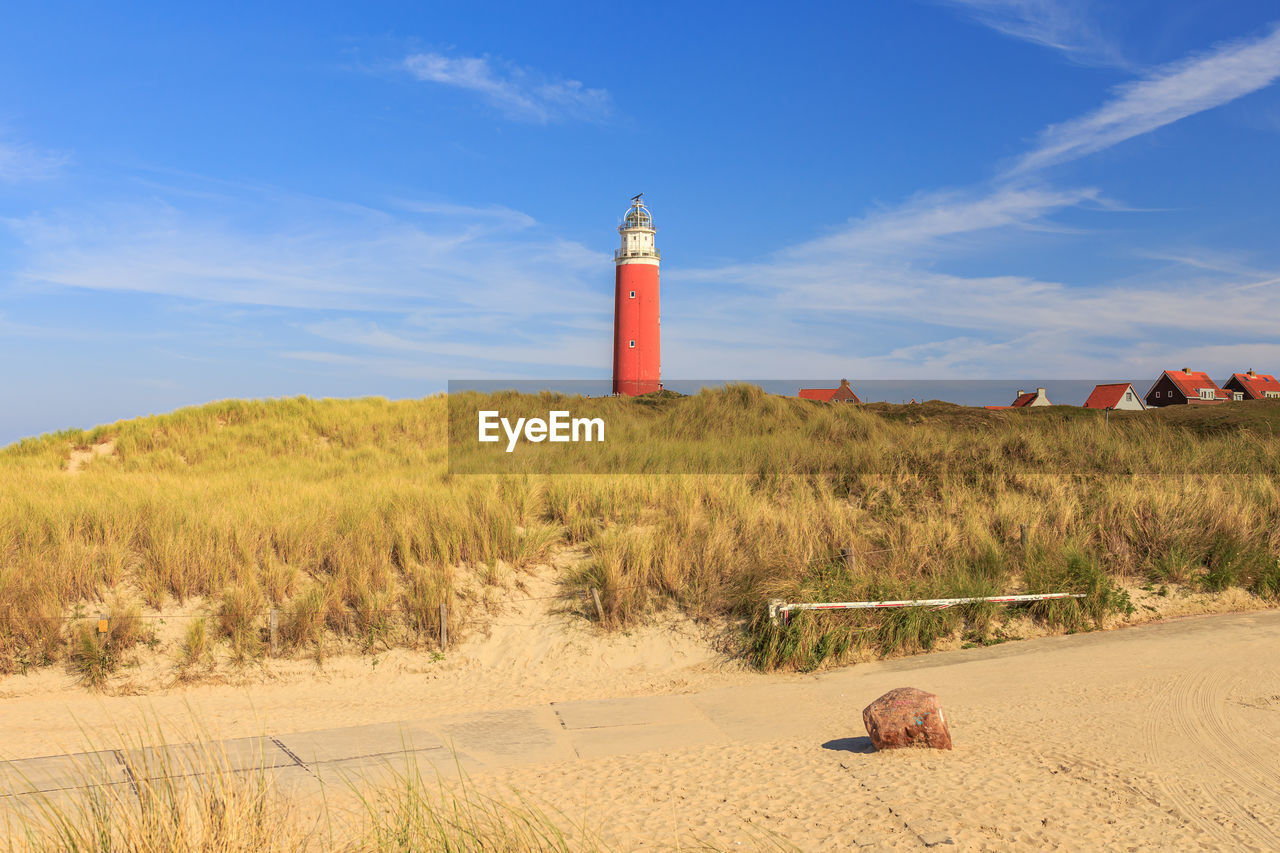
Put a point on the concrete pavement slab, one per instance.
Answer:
(246, 753)
(522, 736)
(347, 742)
(754, 712)
(427, 765)
(638, 711)
(59, 772)
(622, 726)
(42, 808)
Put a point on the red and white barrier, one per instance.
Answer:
(778, 607)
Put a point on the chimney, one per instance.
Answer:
(1039, 392)
(1186, 370)
(844, 383)
(1252, 372)
(1021, 392)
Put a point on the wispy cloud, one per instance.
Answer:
(315, 255)
(933, 219)
(876, 282)
(519, 93)
(462, 287)
(885, 279)
(1063, 25)
(20, 162)
(1165, 95)
(514, 218)
(566, 345)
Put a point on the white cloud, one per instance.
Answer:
(520, 93)
(567, 345)
(1059, 24)
(869, 298)
(452, 285)
(314, 255)
(877, 280)
(499, 213)
(930, 219)
(26, 163)
(1165, 95)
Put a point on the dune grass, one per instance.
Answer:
(344, 515)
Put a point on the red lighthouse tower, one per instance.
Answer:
(637, 346)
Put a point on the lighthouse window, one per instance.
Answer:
(633, 344)
(633, 294)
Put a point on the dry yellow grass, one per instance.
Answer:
(344, 516)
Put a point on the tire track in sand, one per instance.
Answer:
(1193, 708)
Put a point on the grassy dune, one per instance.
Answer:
(344, 516)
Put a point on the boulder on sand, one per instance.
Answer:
(906, 716)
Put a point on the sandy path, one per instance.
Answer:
(1162, 737)
(1159, 737)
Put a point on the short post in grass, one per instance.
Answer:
(850, 562)
(444, 626)
(775, 606)
(104, 627)
(1025, 535)
(274, 623)
(595, 597)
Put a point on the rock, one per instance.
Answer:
(906, 716)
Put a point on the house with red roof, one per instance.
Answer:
(1024, 399)
(1254, 385)
(843, 394)
(1118, 395)
(1027, 398)
(1187, 386)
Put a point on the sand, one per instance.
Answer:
(80, 457)
(1163, 736)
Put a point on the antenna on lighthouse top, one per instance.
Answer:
(638, 215)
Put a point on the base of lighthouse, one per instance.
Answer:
(637, 347)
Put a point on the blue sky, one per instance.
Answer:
(349, 199)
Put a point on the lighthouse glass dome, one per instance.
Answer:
(637, 217)
(637, 235)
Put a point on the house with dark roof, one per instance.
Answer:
(843, 394)
(1254, 385)
(1117, 395)
(1187, 386)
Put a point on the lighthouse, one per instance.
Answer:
(637, 347)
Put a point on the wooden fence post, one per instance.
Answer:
(104, 626)
(595, 596)
(1026, 535)
(444, 626)
(274, 622)
(850, 562)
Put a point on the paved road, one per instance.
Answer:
(560, 731)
